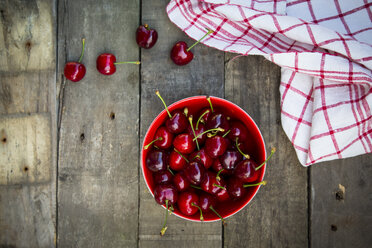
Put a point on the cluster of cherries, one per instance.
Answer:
(145, 38)
(198, 163)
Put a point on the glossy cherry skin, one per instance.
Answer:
(180, 55)
(202, 157)
(180, 181)
(105, 63)
(178, 123)
(223, 195)
(230, 159)
(206, 201)
(164, 192)
(200, 130)
(246, 171)
(74, 71)
(218, 119)
(194, 172)
(156, 160)
(206, 116)
(146, 37)
(238, 130)
(215, 146)
(235, 188)
(217, 166)
(166, 138)
(185, 201)
(163, 176)
(184, 143)
(209, 181)
(176, 161)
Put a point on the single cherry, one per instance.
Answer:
(235, 188)
(106, 63)
(181, 54)
(163, 139)
(187, 201)
(202, 157)
(163, 176)
(146, 37)
(194, 172)
(238, 130)
(75, 71)
(177, 161)
(215, 146)
(230, 159)
(211, 185)
(184, 143)
(218, 119)
(156, 160)
(222, 195)
(180, 181)
(217, 167)
(164, 192)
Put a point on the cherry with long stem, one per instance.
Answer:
(208, 33)
(201, 212)
(165, 105)
(192, 128)
(241, 152)
(255, 184)
(164, 229)
(128, 62)
(210, 103)
(152, 142)
(273, 150)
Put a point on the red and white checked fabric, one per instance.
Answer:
(324, 48)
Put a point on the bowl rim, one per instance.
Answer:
(198, 97)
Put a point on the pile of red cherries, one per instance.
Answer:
(199, 163)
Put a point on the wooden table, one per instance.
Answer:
(69, 165)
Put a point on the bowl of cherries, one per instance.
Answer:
(203, 159)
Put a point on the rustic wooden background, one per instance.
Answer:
(69, 152)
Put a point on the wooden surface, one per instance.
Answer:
(87, 135)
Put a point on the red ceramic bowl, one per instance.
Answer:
(256, 150)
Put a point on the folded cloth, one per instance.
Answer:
(324, 48)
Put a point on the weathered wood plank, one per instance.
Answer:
(204, 75)
(277, 217)
(28, 123)
(98, 150)
(341, 203)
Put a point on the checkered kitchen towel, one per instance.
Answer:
(325, 50)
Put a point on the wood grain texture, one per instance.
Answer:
(204, 75)
(341, 203)
(277, 217)
(28, 120)
(98, 149)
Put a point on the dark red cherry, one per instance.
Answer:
(164, 192)
(146, 37)
(235, 188)
(206, 201)
(184, 143)
(106, 63)
(202, 157)
(177, 123)
(215, 146)
(246, 171)
(222, 195)
(176, 161)
(217, 166)
(180, 55)
(163, 176)
(180, 181)
(201, 128)
(218, 119)
(210, 184)
(238, 130)
(163, 139)
(186, 202)
(204, 115)
(156, 160)
(75, 71)
(194, 172)
(230, 159)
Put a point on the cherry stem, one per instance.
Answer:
(242, 153)
(128, 62)
(214, 211)
(171, 172)
(271, 154)
(165, 105)
(218, 178)
(255, 184)
(186, 111)
(82, 50)
(195, 187)
(181, 155)
(162, 232)
(210, 103)
(219, 186)
(208, 33)
(197, 123)
(152, 142)
(223, 136)
(201, 212)
(147, 27)
(193, 131)
(210, 130)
